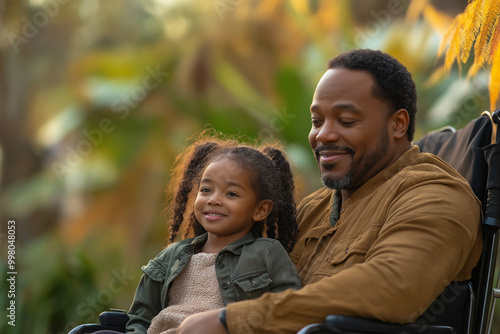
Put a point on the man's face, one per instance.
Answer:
(349, 133)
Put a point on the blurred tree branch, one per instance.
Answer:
(19, 160)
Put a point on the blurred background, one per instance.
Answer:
(98, 97)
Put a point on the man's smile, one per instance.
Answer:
(331, 157)
(331, 154)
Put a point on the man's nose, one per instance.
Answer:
(327, 133)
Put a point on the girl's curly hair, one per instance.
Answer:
(272, 179)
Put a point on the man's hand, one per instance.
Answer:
(203, 323)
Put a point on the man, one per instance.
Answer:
(391, 229)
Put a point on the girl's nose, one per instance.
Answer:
(214, 200)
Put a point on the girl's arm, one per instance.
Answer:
(146, 305)
(281, 269)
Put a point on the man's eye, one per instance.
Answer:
(346, 122)
(315, 122)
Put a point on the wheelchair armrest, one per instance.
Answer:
(114, 318)
(339, 324)
(87, 328)
(318, 328)
(110, 320)
(346, 324)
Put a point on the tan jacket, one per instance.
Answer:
(401, 239)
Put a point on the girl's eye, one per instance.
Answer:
(232, 194)
(204, 190)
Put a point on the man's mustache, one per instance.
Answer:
(320, 148)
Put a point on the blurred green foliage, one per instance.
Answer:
(99, 97)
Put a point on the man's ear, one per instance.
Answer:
(263, 210)
(399, 122)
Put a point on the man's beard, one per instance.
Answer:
(359, 167)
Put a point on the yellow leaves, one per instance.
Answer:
(493, 55)
(301, 7)
(477, 29)
(470, 21)
(489, 21)
(494, 85)
(455, 37)
(416, 7)
(493, 43)
(324, 14)
(438, 20)
(265, 9)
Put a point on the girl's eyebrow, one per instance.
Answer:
(229, 183)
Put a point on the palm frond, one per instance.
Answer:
(494, 41)
(472, 19)
(491, 10)
(414, 10)
(453, 52)
(438, 20)
(477, 28)
(494, 85)
(447, 37)
(436, 76)
(474, 68)
(471, 26)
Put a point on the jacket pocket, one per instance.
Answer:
(353, 250)
(154, 270)
(252, 285)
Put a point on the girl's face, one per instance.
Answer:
(226, 204)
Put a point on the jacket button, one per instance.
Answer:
(221, 265)
(225, 285)
(253, 283)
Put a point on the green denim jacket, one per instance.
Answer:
(245, 269)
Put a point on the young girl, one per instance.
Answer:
(228, 194)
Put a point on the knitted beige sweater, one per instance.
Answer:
(195, 290)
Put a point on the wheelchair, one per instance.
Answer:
(463, 307)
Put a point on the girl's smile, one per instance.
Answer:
(213, 215)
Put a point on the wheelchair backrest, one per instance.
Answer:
(474, 152)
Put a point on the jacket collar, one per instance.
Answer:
(234, 247)
(409, 158)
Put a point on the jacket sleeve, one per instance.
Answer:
(426, 241)
(147, 300)
(281, 269)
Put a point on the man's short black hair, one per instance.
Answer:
(393, 82)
